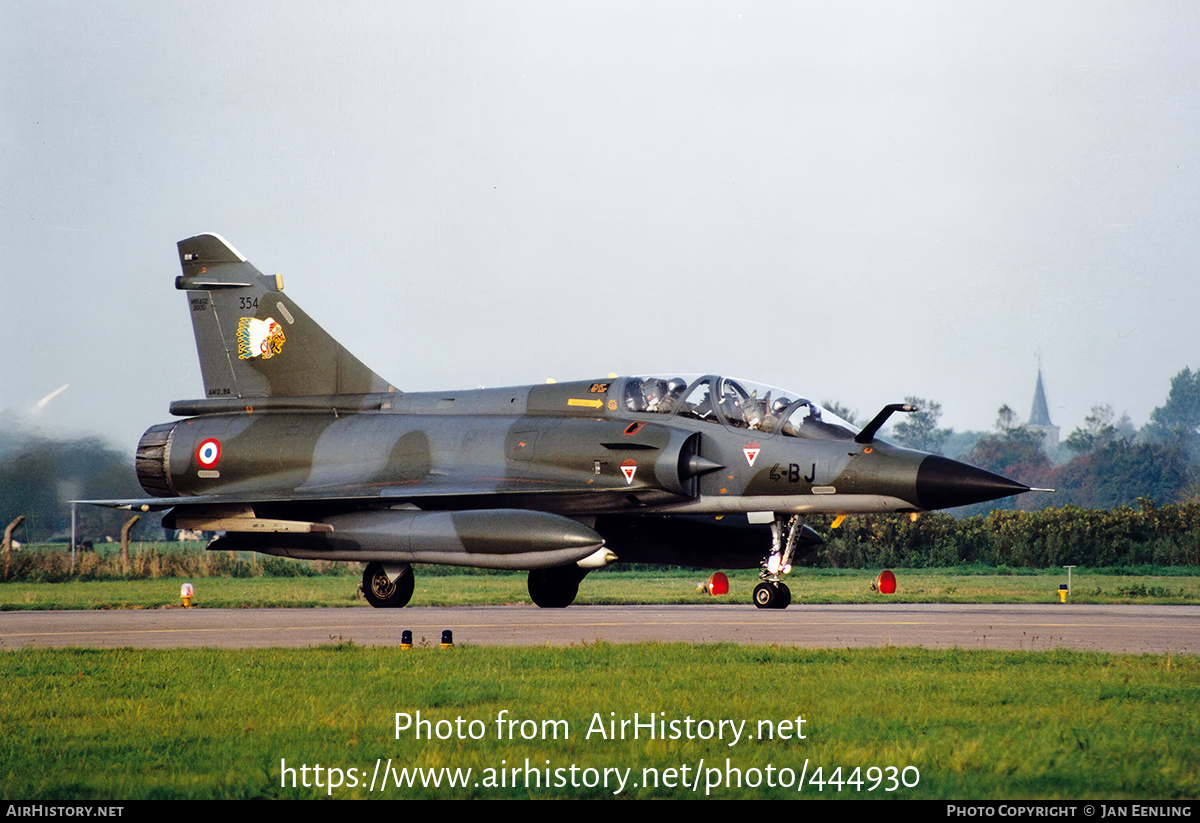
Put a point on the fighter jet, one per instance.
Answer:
(299, 450)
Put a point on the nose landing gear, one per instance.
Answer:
(772, 593)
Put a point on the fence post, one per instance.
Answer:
(125, 542)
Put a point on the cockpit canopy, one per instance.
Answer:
(739, 404)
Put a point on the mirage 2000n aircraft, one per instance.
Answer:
(299, 450)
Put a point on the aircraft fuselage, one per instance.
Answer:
(298, 449)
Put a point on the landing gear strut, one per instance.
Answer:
(382, 591)
(772, 593)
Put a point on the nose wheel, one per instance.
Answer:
(785, 535)
(772, 595)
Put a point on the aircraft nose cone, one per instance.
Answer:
(943, 483)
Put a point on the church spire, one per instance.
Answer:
(1039, 415)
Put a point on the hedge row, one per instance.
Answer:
(36, 565)
(1095, 538)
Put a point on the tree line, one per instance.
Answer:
(1108, 462)
(40, 475)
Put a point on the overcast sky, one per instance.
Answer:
(857, 202)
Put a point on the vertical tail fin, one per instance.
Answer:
(252, 340)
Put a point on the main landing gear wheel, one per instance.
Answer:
(555, 588)
(770, 595)
(383, 593)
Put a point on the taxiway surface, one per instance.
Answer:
(1128, 629)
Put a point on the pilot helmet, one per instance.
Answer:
(653, 389)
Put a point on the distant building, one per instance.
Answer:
(1039, 416)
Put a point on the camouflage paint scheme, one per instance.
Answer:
(299, 450)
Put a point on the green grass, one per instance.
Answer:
(128, 724)
(442, 587)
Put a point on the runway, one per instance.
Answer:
(1119, 629)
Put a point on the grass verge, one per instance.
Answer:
(613, 587)
(129, 724)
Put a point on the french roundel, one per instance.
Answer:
(209, 452)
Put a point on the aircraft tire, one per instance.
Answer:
(764, 595)
(554, 588)
(772, 595)
(383, 593)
